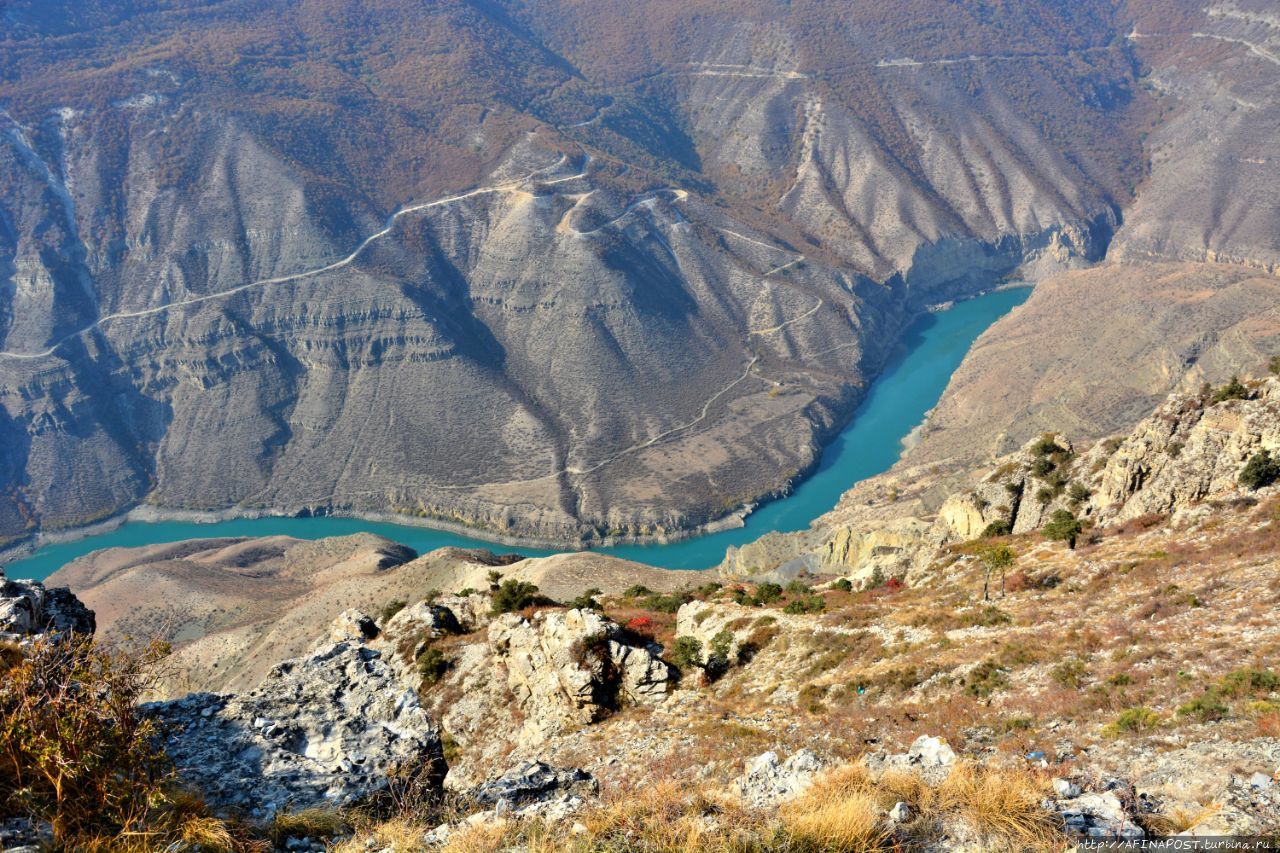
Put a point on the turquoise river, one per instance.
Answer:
(896, 403)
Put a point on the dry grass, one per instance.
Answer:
(308, 823)
(844, 811)
(666, 818)
(840, 812)
(486, 838)
(182, 819)
(1178, 820)
(850, 823)
(396, 834)
(1002, 806)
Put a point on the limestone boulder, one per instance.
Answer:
(326, 730)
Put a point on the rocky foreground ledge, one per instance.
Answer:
(355, 722)
(1005, 687)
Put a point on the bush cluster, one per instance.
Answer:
(77, 752)
(1260, 471)
(513, 595)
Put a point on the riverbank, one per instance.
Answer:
(908, 386)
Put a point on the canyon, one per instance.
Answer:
(546, 318)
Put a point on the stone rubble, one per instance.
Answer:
(931, 752)
(1098, 816)
(325, 730)
(768, 780)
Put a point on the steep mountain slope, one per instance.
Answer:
(555, 269)
(1213, 187)
(1091, 352)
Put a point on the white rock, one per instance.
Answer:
(1066, 789)
(769, 780)
(900, 812)
(932, 752)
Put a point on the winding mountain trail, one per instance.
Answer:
(781, 326)
(648, 201)
(509, 186)
(706, 409)
(1253, 47)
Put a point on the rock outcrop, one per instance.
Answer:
(28, 609)
(567, 669)
(325, 730)
(1098, 816)
(730, 626)
(536, 788)
(1189, 450)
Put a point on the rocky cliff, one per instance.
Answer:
(619, 299)
(28, 609)
(1189, 453)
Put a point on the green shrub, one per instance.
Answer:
(1233, 390)
(717, 662)
(1018, 654)
(1248, 681)
(988, 617)
(1136, 719)
(685, 652)
(985, 678)
(1063, 527)
(805, 604)
(843, 585)
(1042, 467)
(1274, 364)
(721, 643)
(767, 593)
(1078, 493)
(587, 600)
(391, 608)
(636, 590)
(797, 588)
(1070, 673)
(1206, 707)
(661, 603)
(1000, 527)
(1045, 446)
(432, 665)
(513, 595)
(1260, 471)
